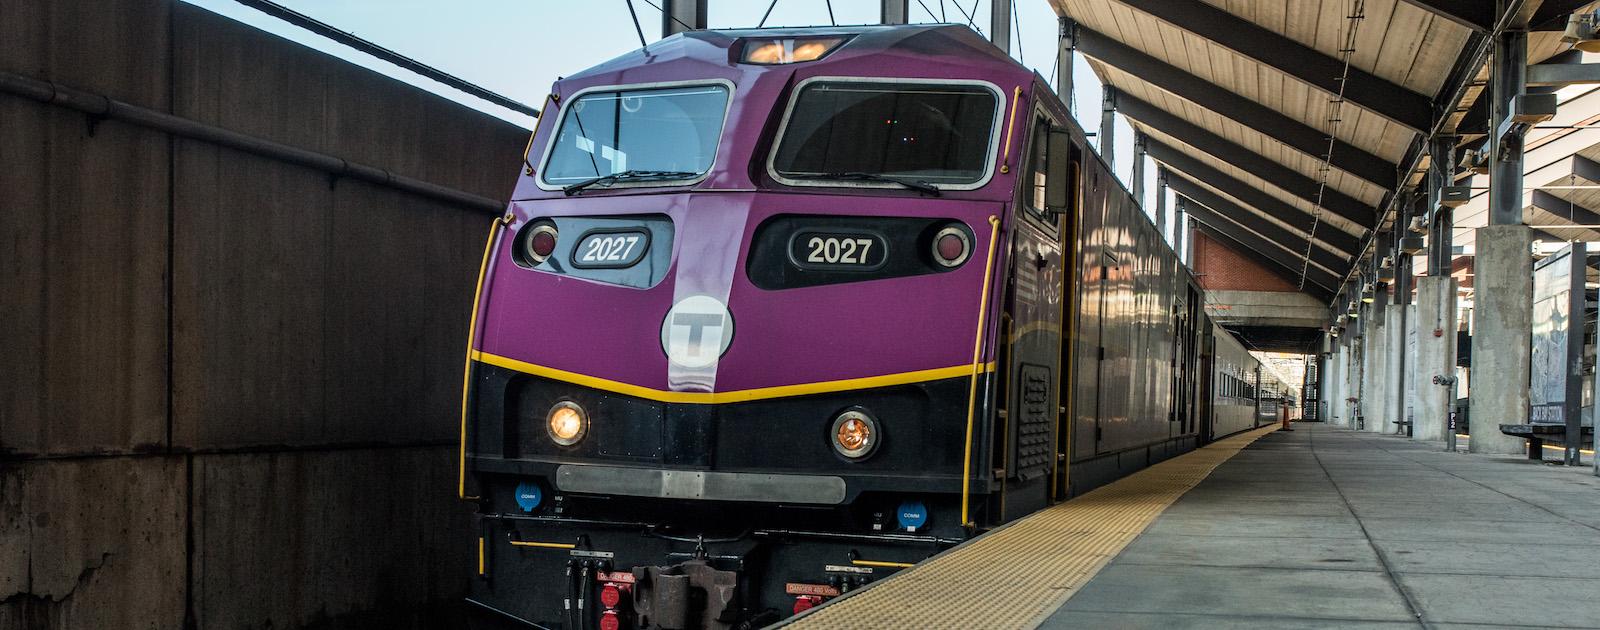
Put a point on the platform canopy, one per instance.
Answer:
(1299, 128)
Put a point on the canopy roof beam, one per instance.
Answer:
(1251, 196)
(1214, 203)
(1478, 15)
(1564, 209)
(1295, 134)
(1221, 148)
(1361, 88)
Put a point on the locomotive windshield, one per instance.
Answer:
(937, 134)
(672, 132)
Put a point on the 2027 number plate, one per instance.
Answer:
(857, 251)
(613, 249)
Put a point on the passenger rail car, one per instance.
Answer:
(776, 313)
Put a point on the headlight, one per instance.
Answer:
(855, 434)
(567, 423)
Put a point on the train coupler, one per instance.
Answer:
(691, 594)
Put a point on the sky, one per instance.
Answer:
(518, 48)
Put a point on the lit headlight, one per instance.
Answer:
(567, 423)
(855, 434)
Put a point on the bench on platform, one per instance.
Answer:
(1402, 427)
(1536, 434)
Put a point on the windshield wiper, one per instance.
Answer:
(913, 184)
(626, 176)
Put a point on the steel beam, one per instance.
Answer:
(1478, 15)
(1507, 78)
(1215, 204)
(894, 11)
(1161, 203)
(1067, 43)
(678, 16)
(1252, 196)
(1303, 63)
(1221, 148)
(1441, 219)
(1136, 186)
(1250, 246)
(1297, 135)
(1000, 24)
(1564, 209)
(1585, 168)
(1108, 128)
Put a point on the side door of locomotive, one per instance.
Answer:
(1033, 330)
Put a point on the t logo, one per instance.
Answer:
(697, 331)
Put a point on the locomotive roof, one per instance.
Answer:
(955, 49)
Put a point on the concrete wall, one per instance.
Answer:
(231, 384)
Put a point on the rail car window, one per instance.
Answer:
(937, 134)
(658, 131)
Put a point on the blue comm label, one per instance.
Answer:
(529, 496)
(912, 515)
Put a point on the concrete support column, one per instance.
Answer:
(678, 16)
(1436, 356)
(1394, 382)
(1330, 384)
(1375, 368)
(1000, 24)
(1503, 310)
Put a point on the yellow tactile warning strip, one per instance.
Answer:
(1015, 576)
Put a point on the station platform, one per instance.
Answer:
(1318, 527)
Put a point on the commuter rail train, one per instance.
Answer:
(776, 313)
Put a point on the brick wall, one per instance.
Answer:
(1220, 267)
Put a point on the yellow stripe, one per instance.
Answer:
(1016, 576)
(466, 370)
(742, 395)
(542, 545)
(1011, 120)
(1563, 449)
(480, 555)
(977, 355)
(881, 564)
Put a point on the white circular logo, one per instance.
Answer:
(697, 331)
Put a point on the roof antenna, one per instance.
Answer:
(636, 27)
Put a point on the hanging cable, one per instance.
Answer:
(831, 21)
(1356, 15)
(764, 16)
(1016, 35)
(636, 26)
(670, 16)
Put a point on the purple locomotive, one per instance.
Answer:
(775, 313)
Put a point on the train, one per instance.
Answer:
(776, 313)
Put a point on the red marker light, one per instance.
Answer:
(610, 620)
(951, 247)
(805, 602)
(611, 595)
(540, 242)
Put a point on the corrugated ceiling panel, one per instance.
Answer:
(1241, 135)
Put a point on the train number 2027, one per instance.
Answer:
(610, 249)
(838, 251)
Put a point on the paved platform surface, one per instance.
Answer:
(1328, 528)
